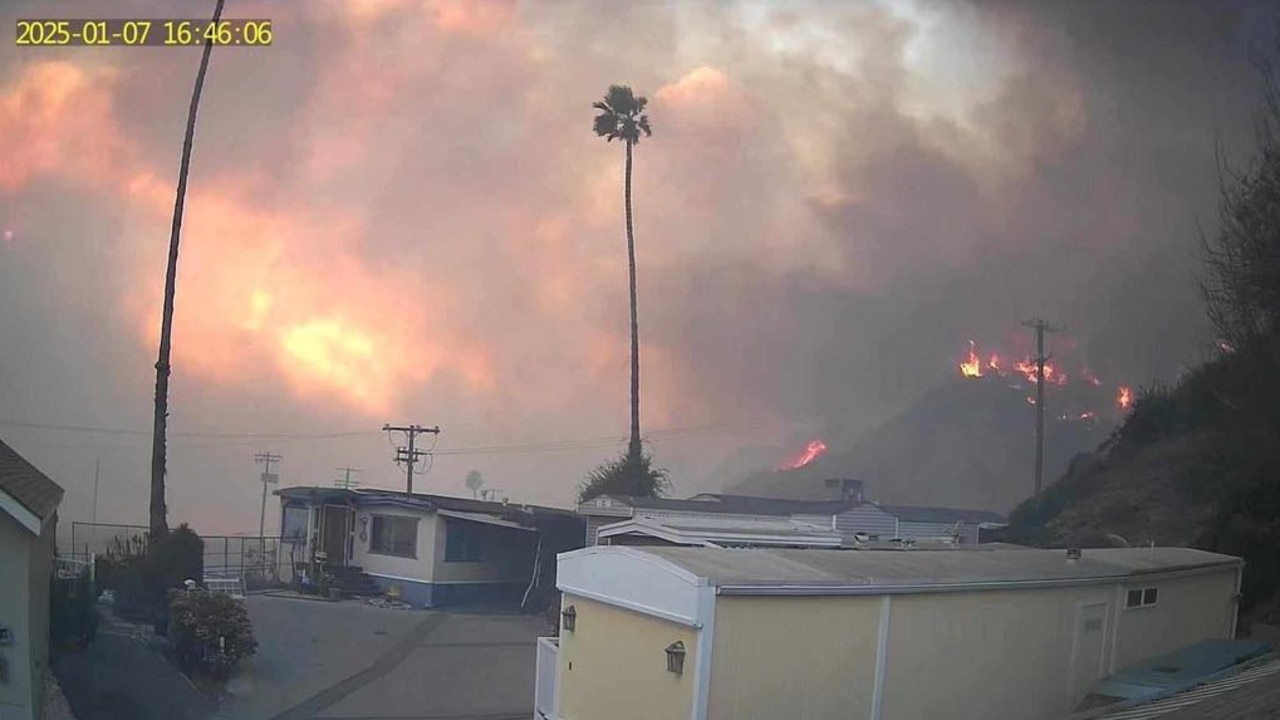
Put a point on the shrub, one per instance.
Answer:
(552, 613)
(133, 601)
(171, 560)
(73, 610)
(175, 558)
(209, 632)
(628, 476)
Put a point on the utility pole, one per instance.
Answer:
(409, 455)
(346, 483)
(268, 478)
(1041, 328)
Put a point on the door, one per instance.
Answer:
(336, 528)
(1089, 648)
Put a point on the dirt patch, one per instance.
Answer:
(55, 703)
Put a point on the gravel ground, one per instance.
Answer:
(55, 703)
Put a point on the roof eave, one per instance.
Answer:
(22, 514)
(813, 589)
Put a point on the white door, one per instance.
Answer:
(1088, 648)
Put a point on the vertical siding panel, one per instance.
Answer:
(866, 519)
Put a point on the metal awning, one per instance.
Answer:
(484, 519)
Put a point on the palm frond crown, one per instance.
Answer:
(621, 115)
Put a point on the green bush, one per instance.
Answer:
(121, 556)
(133, 601)
(172, 559)
(175, 558)
(73, 611)
(209, 632)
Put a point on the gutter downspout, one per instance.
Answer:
(882, 657)
(706, 616)
(1234, 630)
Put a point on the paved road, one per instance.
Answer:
(120, 678)
(347, 661)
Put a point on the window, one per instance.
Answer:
(463, 542)
(1140, 598)
(394, 535)
(294, 529)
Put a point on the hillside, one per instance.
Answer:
(968, 443)
(1195, 465)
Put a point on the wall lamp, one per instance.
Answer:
(675, 658)
(567, 618)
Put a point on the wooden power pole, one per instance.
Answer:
(410, 455)
(1041, 328)
(268, 478)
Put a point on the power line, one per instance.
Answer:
(229, 438)
(147, 433)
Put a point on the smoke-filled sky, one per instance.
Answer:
(398, 213)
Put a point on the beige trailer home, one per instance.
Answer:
(740, 634)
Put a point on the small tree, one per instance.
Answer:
(1241, 282)
(627, 475)
(474, 482)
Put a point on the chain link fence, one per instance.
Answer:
(259, 563)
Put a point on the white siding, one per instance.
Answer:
(867, 519)
(824, 521)
(414, 568)
(17, 547)
(630, 579)
(1188, 609)
(594, 523)
(689, 515)
(924, 529)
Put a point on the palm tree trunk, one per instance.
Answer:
(159, 524)
(633, 449)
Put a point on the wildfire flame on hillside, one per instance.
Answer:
(812, 451)
(1124, 397)
(972, 365)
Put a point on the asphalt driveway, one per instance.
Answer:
(349, 661)
(118, 677)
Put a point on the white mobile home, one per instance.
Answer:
(28, 525)
(725, 634)
(433, 550)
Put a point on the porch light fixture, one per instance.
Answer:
(675, 658)
(567, 616)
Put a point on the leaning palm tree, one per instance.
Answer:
(159, 523)
(622, 118)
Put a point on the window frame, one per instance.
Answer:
(294, 518)
(1142, 594)
(374, 520)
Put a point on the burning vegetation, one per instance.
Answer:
(813, 450)
(1022, 372)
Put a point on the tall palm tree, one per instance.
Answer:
(622, 118)
(159, 523)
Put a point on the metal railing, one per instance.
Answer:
(257, 562)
